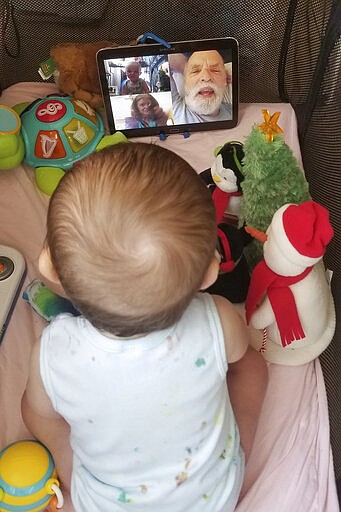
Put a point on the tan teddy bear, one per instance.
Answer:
(76, 70)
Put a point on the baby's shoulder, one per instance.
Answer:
(64, 324)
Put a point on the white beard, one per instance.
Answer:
(204, 106)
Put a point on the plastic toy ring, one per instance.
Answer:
(59, 495)
(10, 122)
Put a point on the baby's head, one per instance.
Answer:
(133, 71)
(131, 234)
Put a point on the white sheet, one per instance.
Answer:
(290, 468)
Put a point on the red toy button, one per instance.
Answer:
(50, 111)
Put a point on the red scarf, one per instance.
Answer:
(282, 300)
(221, 200)
(228, 264)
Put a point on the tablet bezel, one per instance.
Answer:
(143, 50)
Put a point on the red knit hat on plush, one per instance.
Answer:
(301, 232)
(307, 228)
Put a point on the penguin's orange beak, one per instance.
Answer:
(255, 233)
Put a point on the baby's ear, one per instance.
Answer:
(48, 272)
(211, 273)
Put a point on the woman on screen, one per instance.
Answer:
(146, 112)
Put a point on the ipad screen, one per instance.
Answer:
(151, 89)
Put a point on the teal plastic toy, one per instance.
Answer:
(51, 134)
(28, 479)
(12, 148)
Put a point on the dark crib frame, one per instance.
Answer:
(290, 51)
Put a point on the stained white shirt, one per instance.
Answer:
(152, 428)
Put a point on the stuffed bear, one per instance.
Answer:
(76, 70)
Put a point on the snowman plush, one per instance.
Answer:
(289, 297)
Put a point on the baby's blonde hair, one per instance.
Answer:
(134, 64)
(131, 231)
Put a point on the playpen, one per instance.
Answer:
(290, 60)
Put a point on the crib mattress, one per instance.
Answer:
(290, 467)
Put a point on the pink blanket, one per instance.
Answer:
(290, 468)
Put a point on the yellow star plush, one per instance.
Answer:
(270, 126)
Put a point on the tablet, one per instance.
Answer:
(152, 89)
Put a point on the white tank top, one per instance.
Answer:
(152, 428)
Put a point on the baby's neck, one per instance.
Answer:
(115, 337)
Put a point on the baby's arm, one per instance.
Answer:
(247, 374)
(47, 425)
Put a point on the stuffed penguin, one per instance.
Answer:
(224, 179)
(289, 297)
(234, 277)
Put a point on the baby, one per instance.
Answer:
(131, 396)
(134, 84)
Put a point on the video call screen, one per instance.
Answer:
(192, 86)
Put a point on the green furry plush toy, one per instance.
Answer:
(272, 177)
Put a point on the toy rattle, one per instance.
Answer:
(28, 479)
